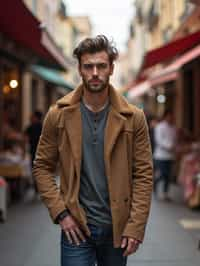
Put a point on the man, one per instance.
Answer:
(102, 145)
(32, 135)
(165, 139)
(33, 132)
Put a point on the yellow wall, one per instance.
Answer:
(169, 21)
(46, 11)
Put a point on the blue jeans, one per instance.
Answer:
(98, 249)
(164, 168)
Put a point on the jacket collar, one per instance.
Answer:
(117, 101)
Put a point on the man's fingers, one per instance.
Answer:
(72, 231)
(80, 234)
(74, 237)
(68, 237)
(124, 242)
(127, 251)
(131, 248)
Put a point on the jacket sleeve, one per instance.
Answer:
(142, 171)
(44, 169)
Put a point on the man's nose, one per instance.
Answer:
(95, 71)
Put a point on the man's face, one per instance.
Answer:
(95, 70)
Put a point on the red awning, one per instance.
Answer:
(138, 90)
(20, 25)
(163, 78)
(170, 72)
(163, 75)
(170, 50)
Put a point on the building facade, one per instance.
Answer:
(155, 23)
(22, 44)
(167, 88)
(62, 29)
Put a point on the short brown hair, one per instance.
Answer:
(94, 45)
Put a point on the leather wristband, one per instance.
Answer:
(62, 215)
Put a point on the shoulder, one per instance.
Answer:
(128, 108)
(137, 113)
(137, 118)
(53, 115)
(135, 110)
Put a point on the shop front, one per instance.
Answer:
(175, 86)
(22, 43)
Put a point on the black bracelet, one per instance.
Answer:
(62, 215)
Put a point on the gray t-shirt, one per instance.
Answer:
(94, 195)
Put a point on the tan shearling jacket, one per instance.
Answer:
(128, 163)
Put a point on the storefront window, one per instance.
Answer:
(11, 105)
(11, 97)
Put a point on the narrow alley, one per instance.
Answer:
(93, 92)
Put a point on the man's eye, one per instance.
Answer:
(88, 66)
(102, 66)
(98, 66)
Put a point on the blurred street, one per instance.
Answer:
(157, 70)
(28, 238)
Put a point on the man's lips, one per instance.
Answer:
(95, 81)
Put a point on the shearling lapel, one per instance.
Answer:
(73, 129)
(115, 121)
(114, 125)
(73, 124)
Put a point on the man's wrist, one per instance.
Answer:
(62, 215)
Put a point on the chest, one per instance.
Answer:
(93, 127)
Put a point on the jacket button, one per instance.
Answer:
(126, 200)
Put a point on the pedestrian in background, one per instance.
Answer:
(102, 145)
(164, 153)
(152, 121)
(32, 135)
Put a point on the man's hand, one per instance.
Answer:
(72, 231)
(131, 245)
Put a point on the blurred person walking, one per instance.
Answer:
(102, 145)
(164, 153)
(152, 121)
(32, 135)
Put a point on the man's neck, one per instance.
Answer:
(95, 101)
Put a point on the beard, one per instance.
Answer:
(95, 88)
